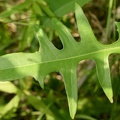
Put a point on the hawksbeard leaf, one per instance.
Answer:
(49, 58)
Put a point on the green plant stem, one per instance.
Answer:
(108, 20)
(114, 30)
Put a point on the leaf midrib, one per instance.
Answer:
(68, 58)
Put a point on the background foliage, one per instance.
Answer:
(24, 99)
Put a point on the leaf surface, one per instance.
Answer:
(49, 58)
(60, 8)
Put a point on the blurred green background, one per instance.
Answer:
(24, 99)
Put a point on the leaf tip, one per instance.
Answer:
(41, 81)
(72, 116)
(72, 107)
(41, 84)
(111, 100)
(109, 95)
(77, 5)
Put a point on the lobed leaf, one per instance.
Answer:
(49, 58)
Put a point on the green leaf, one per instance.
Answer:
(46, 109)
(37, 9)
(60, 8)
(38, 104)
(28, 34)
(85, 117)
(8, 87)
(9, 106)
(49, 58)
